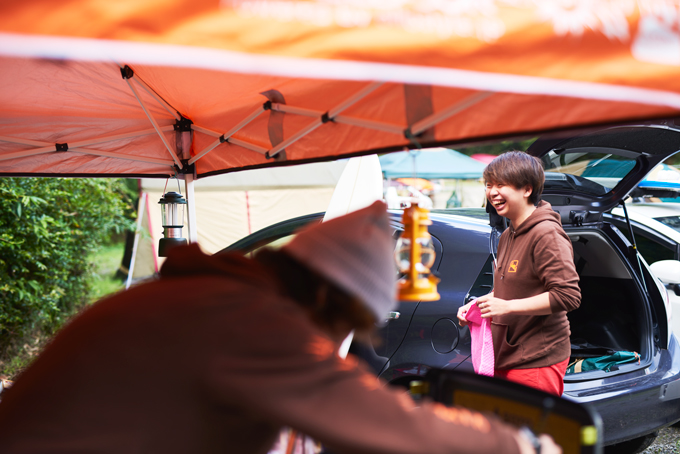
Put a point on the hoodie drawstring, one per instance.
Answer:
(506, 252)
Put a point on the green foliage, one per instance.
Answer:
(48, 230)
(106, 263)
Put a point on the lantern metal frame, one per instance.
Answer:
(417, 284)
(172, 234)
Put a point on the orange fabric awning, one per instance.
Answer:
(277, 82)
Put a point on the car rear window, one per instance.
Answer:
(586, 172)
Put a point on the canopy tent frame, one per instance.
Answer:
(227, 136)
(77, 147)
(448, 112)
(172, 111)
(409, 132)
(127, 76)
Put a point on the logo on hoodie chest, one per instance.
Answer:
(513, 266)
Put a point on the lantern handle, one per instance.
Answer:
(415, 201)
(179, 189)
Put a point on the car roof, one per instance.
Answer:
(460, 217)
(654, 210)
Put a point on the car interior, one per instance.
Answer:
(611, 317)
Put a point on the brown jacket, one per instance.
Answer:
(536, 257)
(211, 358)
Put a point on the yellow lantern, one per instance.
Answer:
(415, 255)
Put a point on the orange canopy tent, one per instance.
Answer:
(201, 87)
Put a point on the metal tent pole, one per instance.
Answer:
(191, 209)
(184, 147)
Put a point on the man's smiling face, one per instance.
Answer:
(509, 201)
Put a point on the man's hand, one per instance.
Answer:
(491, 306)
(548, 445)
(461, 314)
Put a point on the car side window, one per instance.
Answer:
(651, 250)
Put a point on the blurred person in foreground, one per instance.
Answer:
(222, 351)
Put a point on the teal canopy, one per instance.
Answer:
(430, 164)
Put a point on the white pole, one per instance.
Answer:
(370, 124)
(34, 143)
(107, 154)
(285, 108)
(171, 110)
(189, 188)
(141, 211)
(332, 115)
(85, 143)
(228, 137)
(438, 117)
(191, 207)
(154, 123)
(247, 145)
(295, 137)
(367, 90)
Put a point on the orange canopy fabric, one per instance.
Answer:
(145, 87)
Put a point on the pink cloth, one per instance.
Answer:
(482, 342)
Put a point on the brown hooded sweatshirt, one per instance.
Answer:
(213, 358)
(534, 258)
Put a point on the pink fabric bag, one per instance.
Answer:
(482, 342)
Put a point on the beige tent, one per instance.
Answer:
(229, 207)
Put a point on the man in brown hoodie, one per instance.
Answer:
(222, 351)
(535, 280)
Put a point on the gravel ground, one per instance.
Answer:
(668, 441)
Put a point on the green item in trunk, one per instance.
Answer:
(605, 363)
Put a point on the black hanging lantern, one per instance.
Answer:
(172, 211)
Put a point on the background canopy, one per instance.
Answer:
(430, 164)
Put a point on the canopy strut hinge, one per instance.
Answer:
(127, 72)
(187, 169)
(412, 138)
(183, 124)
(326, 117)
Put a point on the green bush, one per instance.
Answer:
(49, 227)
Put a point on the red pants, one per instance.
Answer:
(549, 379)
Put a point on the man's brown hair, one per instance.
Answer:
(517, 169)
(326, 303)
